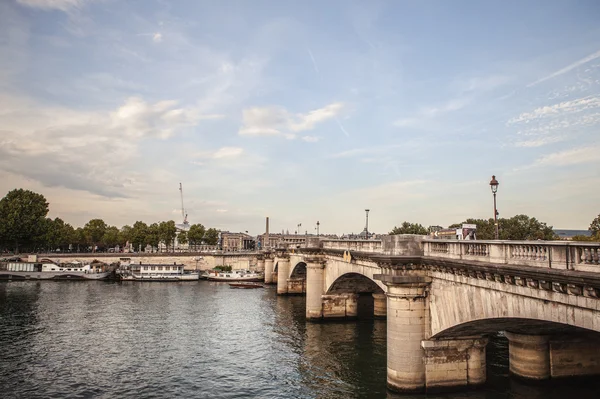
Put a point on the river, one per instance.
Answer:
(203, 340)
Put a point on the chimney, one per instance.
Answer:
(266, 243)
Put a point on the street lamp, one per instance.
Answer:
(299, 225)
(318, 228)
(367, 224)
(494, 186)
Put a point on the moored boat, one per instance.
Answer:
(155, 272)
(246, 285)
(234, 275)
(46, 269)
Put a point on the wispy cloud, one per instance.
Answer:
(428, 113)
(566, 107)
(310, 139)
(62, 5)
(539, 142)
(228, 152)
(570, 157)
(277, 121)
(157, 37)
(568, 68)
(314, 62)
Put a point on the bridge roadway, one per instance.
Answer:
(443, 298)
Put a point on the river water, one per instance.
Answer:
(203, 340)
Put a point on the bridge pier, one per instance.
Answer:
(540, 357)
(260, 265)
(283, 272)
(340, 306)
(454, 363)
(379, 306)
(296, 286)
(268, 270)
(529, 355)
(407, 321)
(315, 279)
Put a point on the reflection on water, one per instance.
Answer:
(204, 340)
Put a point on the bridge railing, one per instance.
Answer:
(553, 254)
(354, 245)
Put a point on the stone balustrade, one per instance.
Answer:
(373, 246)
(580, 256)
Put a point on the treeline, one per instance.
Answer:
(519, 227)
(25, 227)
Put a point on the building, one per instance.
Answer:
(282, 240)
(233, 242)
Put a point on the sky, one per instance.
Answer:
(302, 111)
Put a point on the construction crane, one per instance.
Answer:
(183, 214)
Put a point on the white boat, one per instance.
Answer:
(155, 272)
(234, 275)
(47, 269)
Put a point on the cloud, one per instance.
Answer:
(157, 37)
(570, 157)
(62, 5)
(428, 113)
(277, 121)
(539, 142)
(568, 68)
(84, 150)
(311, 139)
(571, 106)
(228, 152)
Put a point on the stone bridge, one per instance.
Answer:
(442, 299)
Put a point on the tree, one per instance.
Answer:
(125, 235)
(110, 239)
(211, 237)
(196, 234)
(58, 235)
(168, 232)
(519, 227)
(153, 235)
(595, 226)
(139, 235)
(22, 216)
(81, 239)
(182, 237)
(94, 231)
(409, 228)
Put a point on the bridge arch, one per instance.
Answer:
(359, 292)
(518, 325)
(299, 271)
(354, 283)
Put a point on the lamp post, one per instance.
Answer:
(367, 224)
(318, 228)
(298, 231)
(494, 186)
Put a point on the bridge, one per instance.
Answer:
(442, 299)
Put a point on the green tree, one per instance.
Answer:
(182, 237)
(59, 235)
(139, 235)
(196, 234)
(409, 228)
(81, 239)
(168, 232)
(94, 231)
(211, 237)
(110, 239)
(125, 235)
(153, 235)
(595, 227)
(519, 227)
(22, 216)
